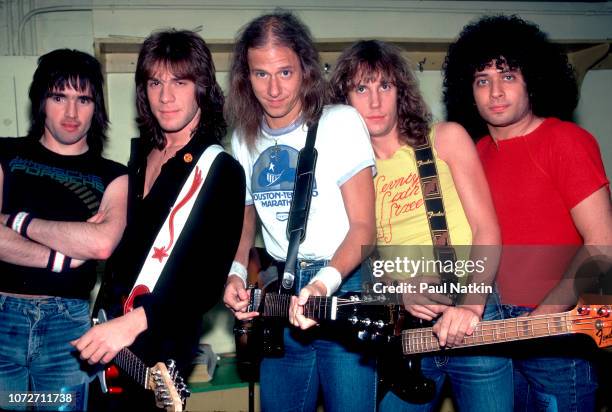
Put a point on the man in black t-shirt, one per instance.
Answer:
(62, 207)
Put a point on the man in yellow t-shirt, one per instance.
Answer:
(374, 78)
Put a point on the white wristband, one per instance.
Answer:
(330, 277)
(58, 262)
(239, 270)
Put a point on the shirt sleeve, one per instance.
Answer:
(576, 164)
(350, 142)
(241, 153)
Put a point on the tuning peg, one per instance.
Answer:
(366, 322)
(186, 393)
(353, 320)
(603, 311)
(379, 324)
(171, 365)
(584, 310)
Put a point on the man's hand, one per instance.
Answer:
(296, 309)
(455, 323)
(102, 342)
(425, 311)
(425, 305)
(236, 298)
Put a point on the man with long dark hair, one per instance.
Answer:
(180, 115)
(373, 77)
(514, 91)
(63, 206)
(276, 93)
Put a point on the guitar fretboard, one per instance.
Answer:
(487, 332)
(133, 366)
(277, 305)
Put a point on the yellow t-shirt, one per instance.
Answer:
(400, 211)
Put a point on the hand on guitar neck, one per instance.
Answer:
(296, 310)
(102, 342)
(236, 298)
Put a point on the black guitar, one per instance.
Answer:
(370, 319)
(162, 378)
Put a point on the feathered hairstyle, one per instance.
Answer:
(184, 54)
(279, 28)
(363, 62)
(68, 68)
(513, 42)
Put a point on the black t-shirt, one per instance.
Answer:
(53, 187)
(194, 275)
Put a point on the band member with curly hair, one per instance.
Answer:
(514, 91)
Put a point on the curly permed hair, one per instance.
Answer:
(511, 41)
(363, 62)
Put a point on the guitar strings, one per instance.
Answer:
(425, 337)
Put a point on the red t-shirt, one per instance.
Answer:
(535, 181)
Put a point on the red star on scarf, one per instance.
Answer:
(159, 253)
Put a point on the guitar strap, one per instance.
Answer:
(300, 203)
(173, 226)
(436, 214)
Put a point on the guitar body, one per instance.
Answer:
(402, 374)
(258, 337)
(263, 335)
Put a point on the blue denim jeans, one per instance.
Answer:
(480, 383)
(35, 353)
(553, 374)
(319, 358)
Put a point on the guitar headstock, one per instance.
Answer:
(594, 320)
(373, 320)
(169, 388)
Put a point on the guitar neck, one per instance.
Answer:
(317, 307)
(423, 339)
(133, 366)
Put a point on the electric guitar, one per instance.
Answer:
(372, 320)
(592, 320)
(162, 378)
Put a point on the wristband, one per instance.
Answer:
(330, 277)
(19, 222)
(58, 262)
(238, 269)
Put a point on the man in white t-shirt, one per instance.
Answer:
(276, 92)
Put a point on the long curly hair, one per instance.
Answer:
(243, 110)
(513, 42)
(185, 55)
(63, 68)
(363, 62)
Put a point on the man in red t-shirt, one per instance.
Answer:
(548, 186)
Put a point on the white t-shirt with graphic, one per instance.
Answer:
(343, 147)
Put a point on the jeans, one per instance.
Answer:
(479, 382)
(36, 355)
(555, 375)
(319, 358)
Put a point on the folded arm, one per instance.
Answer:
(94, 239)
